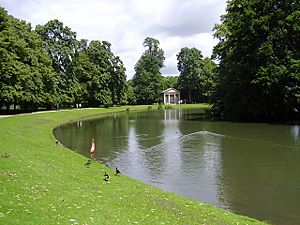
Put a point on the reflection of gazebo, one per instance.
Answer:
(171, 96)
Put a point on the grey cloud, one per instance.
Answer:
(185, 18)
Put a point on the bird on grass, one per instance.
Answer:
(87, 165)
(12, 174)
(6, 155)
(118, 172)
(106, 177)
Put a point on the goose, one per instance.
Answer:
(87, 165)
(106, 177)
(93, 148)
(57, 143)
(6, 155)
(118, 171)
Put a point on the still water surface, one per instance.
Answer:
(249, 168)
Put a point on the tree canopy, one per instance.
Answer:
(61, 43)
(259, 54)
(49, 66)
(26, 75)
(196, 76)
(101, 75)
(147, 80)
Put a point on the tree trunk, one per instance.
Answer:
(190, 97)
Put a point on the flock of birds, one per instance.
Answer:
(88, 163)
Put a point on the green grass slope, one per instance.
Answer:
(41, 183)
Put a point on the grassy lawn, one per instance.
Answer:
(41, 183)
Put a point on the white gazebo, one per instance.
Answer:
(171, 96)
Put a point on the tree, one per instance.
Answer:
(190, 66)
(49, 66)
(208, 80)
(117, 84)
(62, 46)
(26, 75)
(147, 80)
(130, 95)
(170, 81)
(101, 75)
(259, 53)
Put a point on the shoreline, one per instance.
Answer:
(48, 184)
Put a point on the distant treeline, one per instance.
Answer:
(47, 67)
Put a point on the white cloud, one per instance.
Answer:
(125, 24)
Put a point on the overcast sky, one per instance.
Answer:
(126, 23)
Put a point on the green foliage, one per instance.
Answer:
(196, 78)
(159, 107)
(190, 67)
(62, 46)
(259, 55)
(208, 79)
(101, 75)
(130, 95)
(170, 81)
(26, 75)
(117, 84)
(49, 65)
(147, 81)
(168, 107)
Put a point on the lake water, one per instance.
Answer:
(249, 168)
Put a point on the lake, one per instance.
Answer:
(252, 169)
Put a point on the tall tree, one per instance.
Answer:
(130, 95)
(26, 75)
(208, 79)
(117, 84)
(190, 66)
(259, 53)
(61, 44)
(101, 75)
(147, 80)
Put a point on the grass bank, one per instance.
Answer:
(41, 183)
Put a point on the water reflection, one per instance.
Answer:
(249, 168)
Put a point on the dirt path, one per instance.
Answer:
(3, 116)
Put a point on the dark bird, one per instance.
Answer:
(106, 177)
(6, 155)
(118, 171)
(87, 165)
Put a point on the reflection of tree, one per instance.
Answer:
(110, 134)
(149, 126)
(172, 149)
